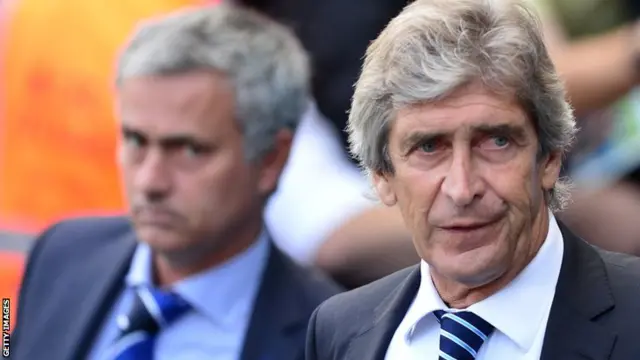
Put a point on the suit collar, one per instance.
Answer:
(582, 294)
(374, 337)
(540, 277)
(102, 277)
(238, 278)
(278, 312)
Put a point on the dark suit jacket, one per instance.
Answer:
(595, 314)
(76, 271)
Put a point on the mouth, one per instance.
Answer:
(467, 227)
(155, 218)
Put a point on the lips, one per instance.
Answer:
(467, 226)
(464, 228)
(155, 217)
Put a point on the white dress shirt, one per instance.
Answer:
(519, 312)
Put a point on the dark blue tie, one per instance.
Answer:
(153, 310)
(461, 334)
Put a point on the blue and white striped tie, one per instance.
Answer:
(153, 309)
(461, 334)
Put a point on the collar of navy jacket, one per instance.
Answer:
(582, 294)
(279, 316)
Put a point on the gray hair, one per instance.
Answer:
(434, 47)
(264, 61)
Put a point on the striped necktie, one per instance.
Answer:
(461, 334)
(153, 310)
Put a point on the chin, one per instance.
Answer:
(480, 276)
(474, 268)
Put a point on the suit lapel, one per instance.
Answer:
(582, 294)
(277, 311)
(374, 338)
(96, 284)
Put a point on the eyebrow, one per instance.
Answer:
(517, 132)
(169, 141)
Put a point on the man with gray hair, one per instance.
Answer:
(208, 100)
(461, 121)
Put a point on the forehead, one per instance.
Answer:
(191, 102)
(462, 111)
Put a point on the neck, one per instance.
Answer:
(460, 296)
(171, 268)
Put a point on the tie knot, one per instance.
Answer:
(461, 334)
(152, 310)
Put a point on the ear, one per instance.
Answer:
(272, 164)
(550, 171)
(384, 188)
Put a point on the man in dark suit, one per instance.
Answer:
(462, 122)
(208, 100)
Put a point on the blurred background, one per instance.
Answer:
(58, 131)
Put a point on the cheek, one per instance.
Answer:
(232, 196)
(416, 191)
(514, 183)
(128, 179)
(212, 186)
(125, 174)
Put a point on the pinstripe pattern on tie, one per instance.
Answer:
(461, 334)
(153, 309)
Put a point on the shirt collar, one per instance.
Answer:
(219, 292)
(514, 301)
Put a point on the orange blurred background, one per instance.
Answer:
(57, 129)
(59, 160)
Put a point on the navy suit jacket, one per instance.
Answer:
(595, 314)
(76, 271)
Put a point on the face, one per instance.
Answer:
(470, 184)
(187, 179)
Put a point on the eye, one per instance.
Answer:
(194, 150)
(501, 141)
(496, 142)
(429, 146)
(133, 140)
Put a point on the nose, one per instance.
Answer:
(461, 184)
(152, 178)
